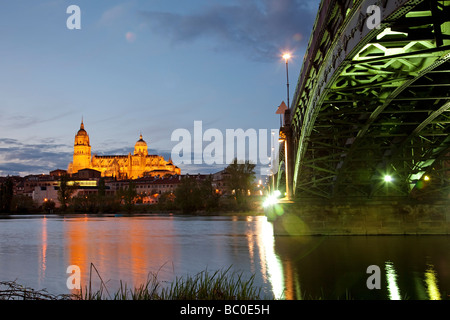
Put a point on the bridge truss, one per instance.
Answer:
(373, 103)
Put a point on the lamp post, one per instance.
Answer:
(286, 135)
(286, 58)
(272, 157)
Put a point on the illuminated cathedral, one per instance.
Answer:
(131, 166)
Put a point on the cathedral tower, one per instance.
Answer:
(132, 166)
(82, 150)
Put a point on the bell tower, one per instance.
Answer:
(82, 150)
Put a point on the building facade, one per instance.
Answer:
(132, 166)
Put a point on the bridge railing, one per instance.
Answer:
(313, 46)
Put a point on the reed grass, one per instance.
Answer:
(219, 285)
(11, 290)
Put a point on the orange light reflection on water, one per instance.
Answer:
(43, 255)
(117, 248)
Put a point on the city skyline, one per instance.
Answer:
(141, 67)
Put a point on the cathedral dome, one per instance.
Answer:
(81, 132)
(141, 142)
(82, 138)
(140, 147)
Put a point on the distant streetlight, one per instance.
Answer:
(387, 178)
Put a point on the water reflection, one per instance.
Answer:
(431, 281)
(280, 274)
(121, 249)
(38, 250)
(271, 266)
(335, 267)
(391, 277)
(43, 255)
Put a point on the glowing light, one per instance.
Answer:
(272, 199)
(391, 278)
(388, 31)
(271, 264)
(426, 178)
(431, 281)
(286, 56)
(387, 178)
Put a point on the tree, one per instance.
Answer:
(49, 206)
(239, 181)
(65, 191)
(166, 201)
(187, 195)
(192, 195)
(6, 195)
(23, 204)
(209, 197)
(101, 187)
(128, 194)
(101, 196)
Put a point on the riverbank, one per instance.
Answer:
(138, 213)
(395, 218)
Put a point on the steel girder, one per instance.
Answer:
(373, 102)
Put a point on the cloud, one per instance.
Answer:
(111, 15)
(115, 151)
(21, 169)
(28, 120)
(260, 29)
(18, 158)
(9, 141)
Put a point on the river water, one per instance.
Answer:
(37, 250)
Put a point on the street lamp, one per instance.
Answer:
(286, 58)
(284, 135)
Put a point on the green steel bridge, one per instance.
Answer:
(371, 111)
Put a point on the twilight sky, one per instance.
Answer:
(138, 66)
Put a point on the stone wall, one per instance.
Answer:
(360, 219)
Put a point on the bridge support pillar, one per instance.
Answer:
(286, 136)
